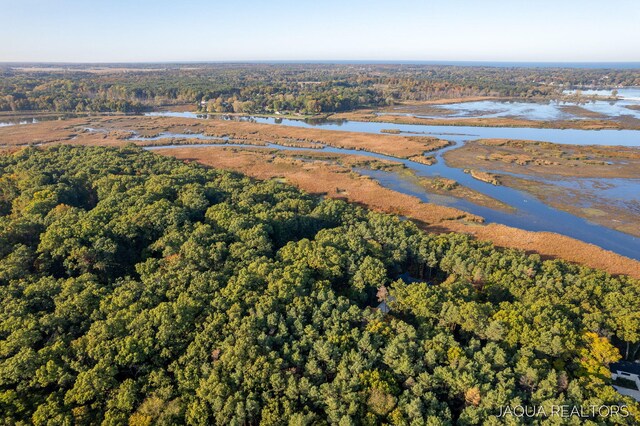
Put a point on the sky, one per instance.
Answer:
(254, 30)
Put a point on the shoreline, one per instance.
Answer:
(433, 215)
(372, 116)
(546, 244)
(365, 115)
(543, 169)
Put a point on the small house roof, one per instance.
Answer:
(626, 366)
(384, 308)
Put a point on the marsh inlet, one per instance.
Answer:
(454, 133)
(530, 213)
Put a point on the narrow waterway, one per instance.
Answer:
(456, 133)
(530, 213)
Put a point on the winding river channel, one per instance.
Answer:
(530, 213)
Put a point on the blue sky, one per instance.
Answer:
(211, 30)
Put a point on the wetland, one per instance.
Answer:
(360, 162)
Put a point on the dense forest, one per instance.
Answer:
(269, 88)
(138, 289)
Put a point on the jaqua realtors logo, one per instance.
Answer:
(588, 411)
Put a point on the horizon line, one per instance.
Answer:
(305, 61)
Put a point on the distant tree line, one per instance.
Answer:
(294, 88)
(136, 289)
